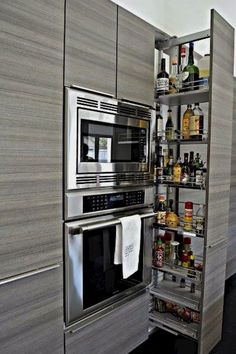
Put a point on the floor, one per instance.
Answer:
(180, 345)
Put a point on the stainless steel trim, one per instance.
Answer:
(28, 274)
(162, 326)
(175, 41)
(76, 327)
(76, 231)
(124, 100)
(74, 200)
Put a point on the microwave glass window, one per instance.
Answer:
(102, 278)
(105, 143)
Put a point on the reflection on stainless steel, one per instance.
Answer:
(76, 233)
(100, 122)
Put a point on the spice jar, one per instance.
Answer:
(188, 216)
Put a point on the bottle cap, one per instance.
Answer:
(188, 205)
(162, 198)
(174, 61)
(187, 241)
(174, 243)
(189, 106)
(183, 52)
(168, 236)
(159, 242)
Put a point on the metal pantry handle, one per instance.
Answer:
(80, 229)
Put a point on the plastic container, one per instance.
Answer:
(204, 69)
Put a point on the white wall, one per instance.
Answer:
(182, 17)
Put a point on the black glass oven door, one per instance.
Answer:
(101, 277)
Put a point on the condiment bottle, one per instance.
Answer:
(161, 212)
(177, 171)
(167, 246)
(174, 253)
(188, 216)
(159, 254)
(200, 216)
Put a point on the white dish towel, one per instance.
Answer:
(127, 247)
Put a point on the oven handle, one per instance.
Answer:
(78, 230)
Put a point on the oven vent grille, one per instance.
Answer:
(127, 111)
(108, 107)
(113, 179)
(82, 101)
(143, 113)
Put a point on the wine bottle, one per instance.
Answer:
(196, 123)
(169, 126)
(190, 72)
(162, 79)
(173, 76)
(159, 123)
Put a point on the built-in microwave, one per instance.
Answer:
(107, 143)
(93, 283)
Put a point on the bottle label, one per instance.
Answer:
(159, 127)
(185, 128)
(161, 217)
(199, 178)
(194, 125)
(169, 133)
(162, 84)
(184, 75)
(159, 258)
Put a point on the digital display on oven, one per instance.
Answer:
(116, 197)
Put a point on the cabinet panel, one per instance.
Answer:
(231, 255)
(220, 127)
(213, 297)
(135, 59)
(31, 80)
(31, 314)
(119, 332)
(90, 44)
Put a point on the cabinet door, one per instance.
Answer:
(118, 332)
(135, 59)
(90, 44)
(31, 81)
(31, 314)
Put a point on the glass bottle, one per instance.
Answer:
(190, 72)
(196, 123)
(173, 75)
(174, 253)
(159, 123)
(188, 216)
(200, 217)
(198, 170)
(163, 79)
(185, 174)
(158, 166)
(159, 254)
(169, 129)
(169, 167)
(161, 211)
(177, 171)
(191, 167)
(186, 122)
(179, 81)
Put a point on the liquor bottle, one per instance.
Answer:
(191, 167)
(161, 211)
(163, 79)
(200, 217)
(185, 173)
(177, 171)
(198, 170)
(196, 123)
(173, 76)
(179, 80)
(169, 167)
(158, 166)
(169, 126)
(159, 123)
(190, 72)
(186, 122)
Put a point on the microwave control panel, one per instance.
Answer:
(112, 201)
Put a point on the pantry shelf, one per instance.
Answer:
(179, 230)
(181, 98)
(194, 275)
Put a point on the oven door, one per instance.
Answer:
(92, 280)
(103, 143)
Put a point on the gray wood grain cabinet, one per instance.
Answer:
(90, 45)
(135, 58)
(118, 332)
(31, 314)
(31, 96)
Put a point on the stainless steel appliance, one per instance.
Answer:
(107, 143)
(91, 202)
(93, 284)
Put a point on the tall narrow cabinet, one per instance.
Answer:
(207, 301)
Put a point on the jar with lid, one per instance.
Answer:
(188, 216)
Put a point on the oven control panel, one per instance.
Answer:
(100, 202)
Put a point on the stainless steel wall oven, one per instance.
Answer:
(107, 142)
